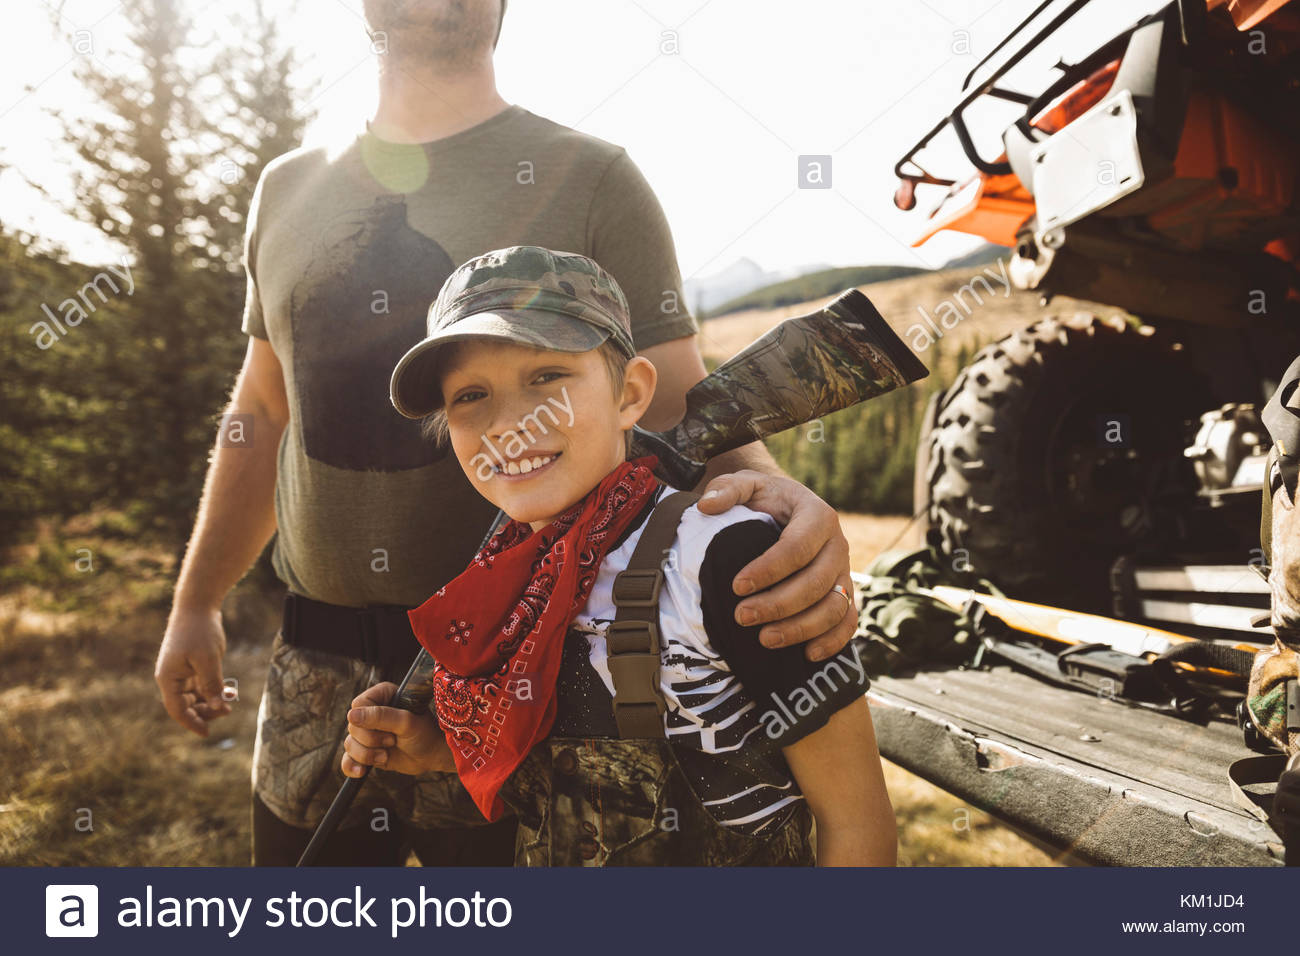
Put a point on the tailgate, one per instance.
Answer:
(1103, 781)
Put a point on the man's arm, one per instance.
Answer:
(796, 575)
(236, 518)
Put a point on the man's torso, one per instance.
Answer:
(348, 252)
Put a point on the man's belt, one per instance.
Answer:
(380, 634)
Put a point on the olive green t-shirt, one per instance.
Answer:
(346, 249)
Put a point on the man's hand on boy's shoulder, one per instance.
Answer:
(796, 575)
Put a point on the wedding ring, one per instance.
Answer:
(842, 590)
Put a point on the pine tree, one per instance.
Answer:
(145, 176)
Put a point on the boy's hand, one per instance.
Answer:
(380, 736)
(811, 556)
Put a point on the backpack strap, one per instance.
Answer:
(632, 639)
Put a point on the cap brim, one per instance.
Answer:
(414, 389)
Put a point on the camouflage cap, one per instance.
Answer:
(524, 294)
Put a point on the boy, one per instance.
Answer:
(621, 729)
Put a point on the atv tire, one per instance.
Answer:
(1056, 450)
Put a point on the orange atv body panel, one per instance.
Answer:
(1247, 13)
(994, 207)
(1231, 172)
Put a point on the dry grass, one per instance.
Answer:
(96, 773)
(898, 300)
(871, 535)
(101, 777)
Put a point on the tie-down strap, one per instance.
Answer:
(632, 639)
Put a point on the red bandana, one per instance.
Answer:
(496, 630)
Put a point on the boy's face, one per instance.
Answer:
(536, 430)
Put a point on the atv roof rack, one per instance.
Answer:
(1191, 13)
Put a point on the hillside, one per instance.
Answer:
(898, 301)
(862, 459)
(810, 286)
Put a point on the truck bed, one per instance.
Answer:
(1091, 780)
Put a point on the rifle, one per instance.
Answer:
(1101, 654)
(803, 368)
(1076, 627)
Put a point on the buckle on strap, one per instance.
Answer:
(631, 637)
(637, 679)
(638, 587)
(639, 720)
(633, 661)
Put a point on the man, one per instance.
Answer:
(346, 248)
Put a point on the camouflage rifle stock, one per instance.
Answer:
(806, 367)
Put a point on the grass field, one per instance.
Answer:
(898, 301)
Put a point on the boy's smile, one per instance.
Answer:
(535, 430)
(527, 466)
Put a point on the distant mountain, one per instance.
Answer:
(746, 285)
(811, 285)
(984, 255)
(704, 295)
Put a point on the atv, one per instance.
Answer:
(1112, 465)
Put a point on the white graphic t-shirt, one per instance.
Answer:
(731, 703)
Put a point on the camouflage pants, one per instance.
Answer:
(301, 724)
(604, 802)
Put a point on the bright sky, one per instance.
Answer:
(714, 99)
